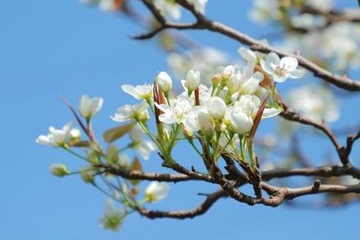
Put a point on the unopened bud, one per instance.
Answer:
(59, 170)
(164, 82)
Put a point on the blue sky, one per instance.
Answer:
(53, 48)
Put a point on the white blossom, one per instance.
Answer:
(314, 102)
(140, 92)
(143, 146)
(281, 69)
(177, 112)
(56, 137)
(131, 112)
(199, 5)
(168, 8)
(156, 191)
(88, 107)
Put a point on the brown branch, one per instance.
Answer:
(162, 177)
(197, 211)
(156, 13)
(324, 171)
(292, 193)
(291, 115)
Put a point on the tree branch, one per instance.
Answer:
(197, 211)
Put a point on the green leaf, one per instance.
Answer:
(112, 155)
(135, 166)
(117, 132)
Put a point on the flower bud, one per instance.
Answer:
(164, 82)
(59, 170)
(192, 80)
(217, 107)
(87, 175)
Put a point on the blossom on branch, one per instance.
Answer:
(57, 137)
(140, 92)
(127, 112)
(281, 69)
(156, 191)
(88, 107)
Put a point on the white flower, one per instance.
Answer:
(240, 121)
(199, 119)
(156, 191)
(192, 80)
(88, 107)
(143, 146)
(177, 112)
(106, 5)
(314, 102)
(113, 217)
(164, 82)
(199, 5)
(281, 69)
(56, 137)
(264, 11)
(168, 8)
(140, 92)
(129, 112)
(251, 79)
(247, 54)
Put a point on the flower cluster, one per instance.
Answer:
(228, 109)
(222, 116)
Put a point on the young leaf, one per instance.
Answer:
(117, 132)
(135, 166)
(112, 155)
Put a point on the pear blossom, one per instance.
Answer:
(177, 112)
(240, 121)
(168, 8)
(56, 137)
(88, 107)
(314, 102)
(264, 11)
(164, 82)
(199, 5)
(281, 69)
(156, 191)
(199, 119)
(113, 217)
(251, 79)
(140, 92)
(132, 112)
(247, 54)
(143, 146)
